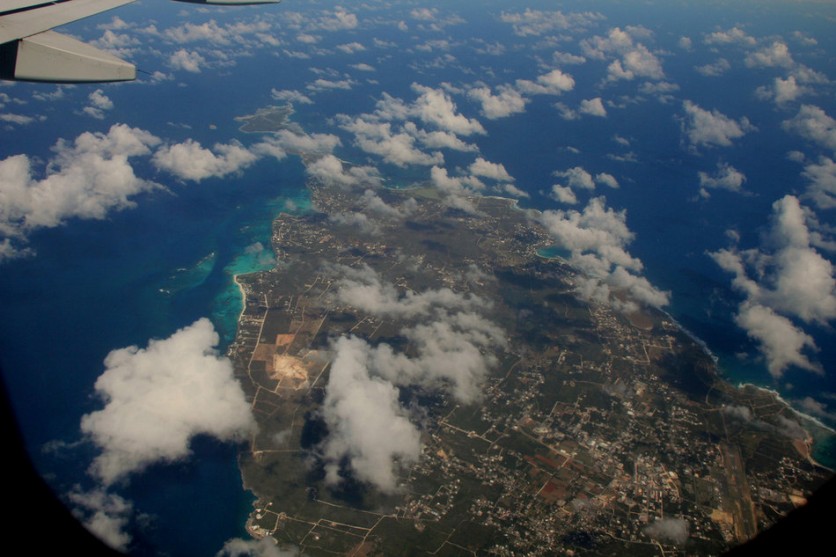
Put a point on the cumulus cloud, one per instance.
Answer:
(363, 289)
(733, 35)
(265, 547)
(99, 103)
(104, 514)
(87, 178)
(157, 398)
(507, 101)
(290, 95)
(726, 177)
(792, 281)
(554, 82)
(714, 69)
(435, 107)
(330, 170)
(782, 90)
(822, 178)
(673, 530)
(814, 124)
(593, 107)
(597, 238)
(394, 147)
(712, 128)
(191, 161)
(366, 422)
(457, 191)
(632, 59)
(487, 169)
(538, 22)
(452, 351)
(187, 60)
(776, 54)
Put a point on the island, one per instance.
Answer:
(579, 429)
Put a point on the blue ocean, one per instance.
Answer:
(143, 273)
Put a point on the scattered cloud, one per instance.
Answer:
(186, 60)
(331, 170)
(593, 107)
(104, 514)
(814, 124)
(673, 530)
(712, 128)
(290, 95)
(597, 238)
(537, 22)
(507, 101)
(633, 59)
(714, 69)
(452, 351)
(822, 178)
(775, 55)
(733, 35)
(99, 103)
(157, 398)
(726, 177)
(554, 82)
(191, 161)
(792, 281)
(265, 547)
(87, 178)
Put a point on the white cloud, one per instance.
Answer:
(564, 194)
(776, 54)
(397, 148)
(351, 48)
(554, 82)
(487, 169)
(290, 95)
(634, 59)
(508, 101)
(265, 547)
(782, 90)
(710, 128)
(457, 191)
(726, 177)
(99, 103)
(669, 529)
(537, 22)
(186, 60)
(733, 35)
(280, 143)
(366, 422)
(330, 170)
(435, 107)
(714, 69)
(87, 178)
(339, 20)
(157, 398)
(105, 515)
(792, 281)
(814, 124)
(822, 177)
(593, 107)
(329, 85)
(577, 177)
(191, 161)
(606, 179)
(452, 351)
(597, 238)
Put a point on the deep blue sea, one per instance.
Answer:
(143, 273)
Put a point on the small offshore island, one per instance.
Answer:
(592, 432)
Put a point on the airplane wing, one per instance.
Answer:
(31, 51)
